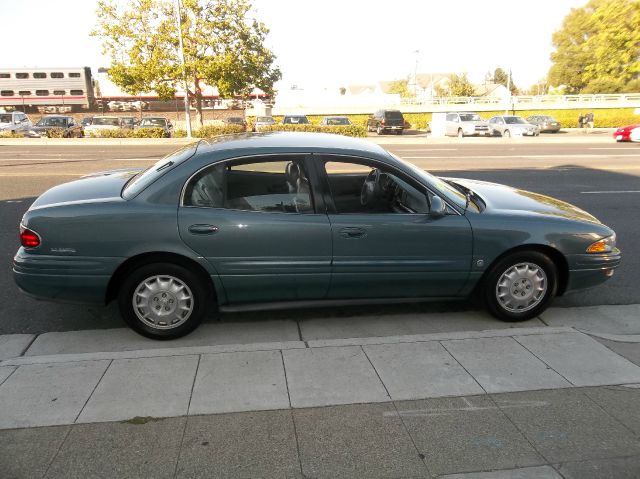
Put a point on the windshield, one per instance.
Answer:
(470, 117)
(445, 189)
(5, 118)
(143, 179)
(513, 120)
(51, 122)
(161, 122)
(338, 121)
(301, 120)
(106, 121)
(393, 115)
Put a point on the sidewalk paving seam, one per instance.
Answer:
(462, 366)
(186, 421)
(524, 436)
(395, 407)
(586, 394)
(544, 362)
(15, 368)
(291, 415)
(55, 456)
(93, 391)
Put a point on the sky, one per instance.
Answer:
(331, 43)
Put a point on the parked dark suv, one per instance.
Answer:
(383, 121)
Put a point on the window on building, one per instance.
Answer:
(76, 92)
(22, 76)
(6, 93)
(58, 92)
(57, 75)
(42, 92)
(5, 75)
(24, 92)
(40, 75)
(74, 75)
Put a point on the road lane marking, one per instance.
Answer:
(611, 192)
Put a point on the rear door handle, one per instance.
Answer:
(353, 232)
(203, 229)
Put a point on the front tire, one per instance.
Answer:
(460, 133)
(379, 130)
(520, 286)
(163, 300)
(506, 134)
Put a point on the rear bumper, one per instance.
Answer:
(64, 278)
(588, 270)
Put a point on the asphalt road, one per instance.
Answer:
(600, 177)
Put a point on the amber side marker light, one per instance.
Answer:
(604, 245)
(28, 238)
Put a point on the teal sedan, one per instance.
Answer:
(300, 219)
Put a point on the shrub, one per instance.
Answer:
(10, 134)
(55, 133)
(209, 131)
(128, 133)
(350, 130)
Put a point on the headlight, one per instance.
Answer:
(604, 245)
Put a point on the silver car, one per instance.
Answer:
(507, 126)
(462, 124)
(263, 122)
(15, 122)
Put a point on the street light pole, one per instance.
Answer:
(415, 75)
(187, 113)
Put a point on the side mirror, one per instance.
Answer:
(438, 207)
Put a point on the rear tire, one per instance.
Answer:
(506, 134)
(379, 130)
(163, 300)
(520, 286)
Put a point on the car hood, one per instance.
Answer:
(505, 199)
(101, 186)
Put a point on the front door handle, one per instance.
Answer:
(203, 229)
(353, 233)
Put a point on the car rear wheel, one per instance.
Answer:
(520, 286)
(379, 130)
(506, 134)
(163, 300)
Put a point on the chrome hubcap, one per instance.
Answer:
(521, 287)
(162, 302)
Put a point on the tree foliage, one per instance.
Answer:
(223, 47)
(459, 85)
(401, 87)
(501, 77)
(598, 48)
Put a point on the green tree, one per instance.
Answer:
(597, 50)
(459, 85)
(501, 77)
(223, 47)
(401, 87)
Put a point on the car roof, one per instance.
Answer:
(300, 141)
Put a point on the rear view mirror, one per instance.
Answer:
(438, 207)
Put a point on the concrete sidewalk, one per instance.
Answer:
(332, 398)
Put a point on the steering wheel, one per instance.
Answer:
(369, 186)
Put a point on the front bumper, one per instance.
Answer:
(64, 278)
(588, 270)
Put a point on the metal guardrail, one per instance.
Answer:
(524, 99)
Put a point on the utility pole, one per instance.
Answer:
(187, 113)
(415, 75)
(509, 90)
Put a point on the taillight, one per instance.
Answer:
(28, 238)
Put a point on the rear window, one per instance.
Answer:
(151, 174)
(393, 115)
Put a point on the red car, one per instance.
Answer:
(622, 133)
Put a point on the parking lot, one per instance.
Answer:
(590, 171)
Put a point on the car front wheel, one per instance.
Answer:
(163, 300)
(520, 286)
(379, 130)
